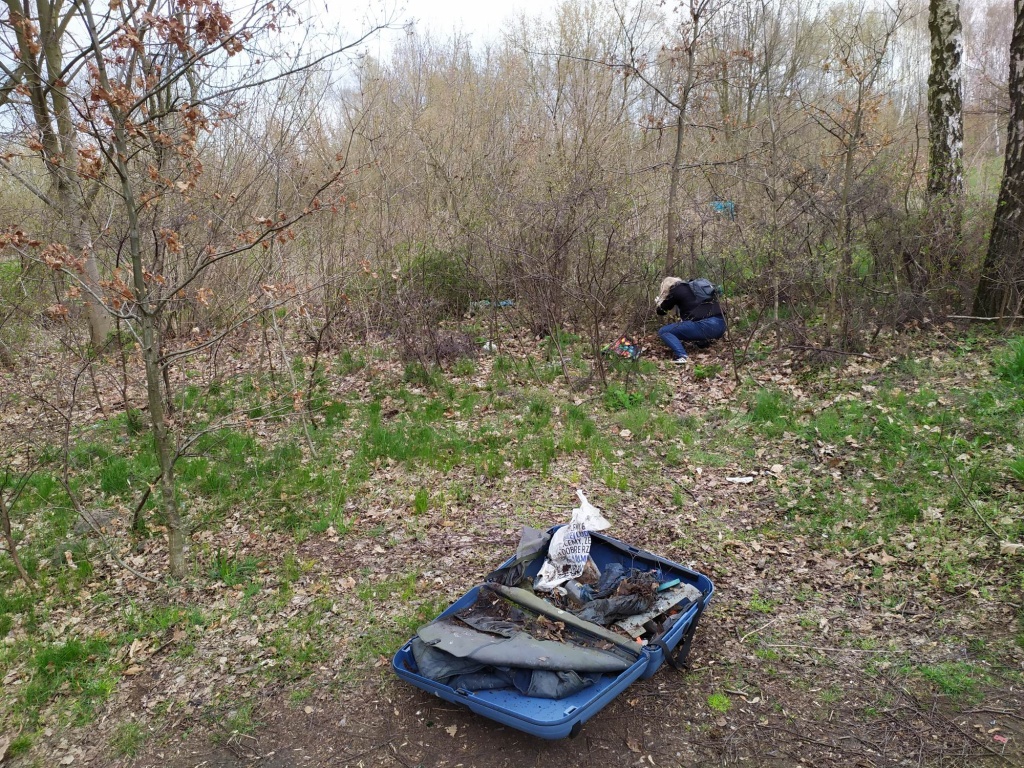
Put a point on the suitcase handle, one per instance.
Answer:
(678, 656)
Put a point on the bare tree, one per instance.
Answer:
(153, 87)
(682, 65)
(37, 65)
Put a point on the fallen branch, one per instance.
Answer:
(984, 319)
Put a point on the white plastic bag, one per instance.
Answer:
(570, 546)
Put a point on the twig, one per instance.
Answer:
(733, 691)
(295, 386)
(832, 351)
(6, 505)
(691, 493)
(963, 493)
(822, 648)
(801, 737)
(374, 748)
(1003, 712)
(756, 631)
(110, 549)
(861, 552)
(137, 513)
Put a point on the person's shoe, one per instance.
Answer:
(681, 360)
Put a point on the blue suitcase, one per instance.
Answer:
(559, 718)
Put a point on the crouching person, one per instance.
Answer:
(700, 317)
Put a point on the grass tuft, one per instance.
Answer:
(128, 739)
(719, 702)
(1010, 362)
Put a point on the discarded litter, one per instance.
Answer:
(570, 546)
(624, 346)
(559, 629)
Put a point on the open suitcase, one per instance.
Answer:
(559, 718)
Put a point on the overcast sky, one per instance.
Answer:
(482, 20)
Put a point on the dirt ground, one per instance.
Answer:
(662, 721)
(815, 704)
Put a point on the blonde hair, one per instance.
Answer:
(666, 285)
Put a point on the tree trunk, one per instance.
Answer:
(52, 116)
(154, 385)
(945, 101)
(162, 443)
(147, 315)
(5, 522)
(672, 220)
(1002, 278)
(100, 323)
(844, 285)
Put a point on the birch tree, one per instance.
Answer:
(945, 101)
(1002, 280)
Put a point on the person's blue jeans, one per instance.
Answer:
(691, 330)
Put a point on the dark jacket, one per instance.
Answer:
(690, 308)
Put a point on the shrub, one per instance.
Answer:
(444, 279)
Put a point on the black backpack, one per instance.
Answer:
(703, 289)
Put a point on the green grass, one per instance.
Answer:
(421, 502)
(335, 413)
(771, 411)
(463, 367)
(349, 362)
(19, 745)
(958, 680)
(291, 568)
(115, 476)
(382, 636)
(77, 668)
(302, 643)
(830, 695)
(242, 721)
(760, 604)
(1010, 361)
(719, 702)
(704, 372)
(232, 569)
(861, 465)
(422, 376)
(16, 604)
(617, 398)
(128, 739)
(142, 620)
